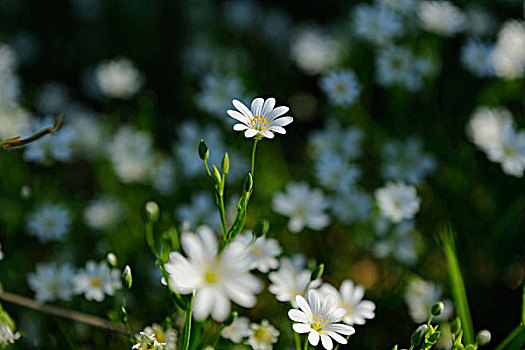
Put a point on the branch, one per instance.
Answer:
(19, 141)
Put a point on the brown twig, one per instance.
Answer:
(19, 141)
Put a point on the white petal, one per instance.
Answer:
(338, 338)
(296, 224)
(301, 328)
(268, 106)
(277, 112)
(257, 106)
(303, 305)
(283, 121)
(266, 133)
(221, 310)
(277, 129)
(297, 316)
(313, 337)
(193, 247)
(341, 328)
(238, 116)
(242, 108)
(250, 133)
(202, 303)
(327, 342)
(240, 127)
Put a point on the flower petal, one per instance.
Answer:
(282, 121)
(276, 112)
(242, 108)
(268, 106)
(341, 328)
(203, 303)
(240, 127)
(277, 129)
(337, 337)
(313, 337)
(238, 116)
(327, 342)
(221, 309)
(298, 316)
(266, 133)
(257, 106)
(250, 133)
(301, 328)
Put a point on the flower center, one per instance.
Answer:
(211, 277)
(349, 308)
(95, 282)
(262, 335)
(319, 323)
(256, 251)
(259, 122)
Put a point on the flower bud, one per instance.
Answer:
(418, 335)
(112, 260)
(229, 321)
(437, 309)
(317, 272)
(455, 327)
(248, 183)
(483, 337)
(217, 175)
(225, 168)
(127, 279)
(152, 212)
(433, 338)
(204, 153)
(261, 228)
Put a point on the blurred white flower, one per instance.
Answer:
(7, 334)
(242, 15)
(349, 296)
(315, 51)
(511, 152)
(216, 93)
(163, 175)
(148, 341)
(52, 282)
(398, 201)
(49, 222)
(376, 24)
(15, 121)
(290, 281)
(57, 146)
(479, 21)
(400, 241)
(103, 213)
(509, 52)
(238, 330)
(168, 337)
(262, 336)
(476, 56)
(351, 205)
(319, 317)
(341, 86)
(305, 206)
(336, 174)
(201, 210)
(486, 125)
(118, 78)
(262, 120)
(421, 295)
(262, 251)
(53, 98)
(335, 139)
(9, 81)
(96, 281)
(90, 134)
(132, 154)
(402, 7)
(441, 17)
(214, 278)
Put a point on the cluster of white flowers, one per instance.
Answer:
(49, 222)
(398, 201)
(52, 282)
(163, 338)
(118, 78)
(494, 132)
(259, 336)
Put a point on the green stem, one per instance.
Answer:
(253, 156)
(222, 215)
(150, 239)
(513, 335)
(306, 343)
(207, 169)
(523, 307)
(187, 327)
(297, 340)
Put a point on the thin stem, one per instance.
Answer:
(510, 338)
(222, 215)
(523, 307)
(150, 239)
(305, 347)
(253, 156)
(60, 312)
(207, 168)
(297, 341)
(187, 327)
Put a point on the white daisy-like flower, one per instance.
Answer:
(118, 78)
(262, 336)
(52, 282)
(167, 337)
(509, 52)
(421, 295)
(398, 201)
(376, 24)
(103, 213)
(238, 330)
(290, 281)
(350, 297)
(262, 119)
(441, 17)
(214, 278)
(49, 222)
(149, 342)
(342, 87)
(263, 251)
(96, 281)
(319, 317)
(486, 125)
(305, 206)
(511, 152)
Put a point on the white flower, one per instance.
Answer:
(96, 281)
(420, 296)
(399, 241)
(486, 125)
(335, 173)
(263, 119)
(376, 24)
(351, 205)
(441, 17)
(103, 213)
(163, 175)
(509, 52)
(15, 121)
(149, 342)
(238, 330)
(90, 134)
(511, 152)
(290, 281)
(49, 222)
(118, 78)
(262, 336)
(398, 201)
(263, 251)
(7, 335)
(166, 337)
(350, 297)
(319, 317)
(341, 86)
(476, 56)
(215, 279)
(52, 282)
(305, 206)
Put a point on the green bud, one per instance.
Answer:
(433, 338)
(229, 321)
(127, 279)
(248, 183)
(470, 347)
(112, 260)
(455, 327)
(152, 212)
(437, 309)
(483, 337)
(317, 272)
(217, 175)
(418, 335)
(204, 153)
(261, 228)
(225, 168)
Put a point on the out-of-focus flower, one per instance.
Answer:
(349, 296)
(49, 222)
(511, 152)
(118, 78)
(242, 15)
(398, 201)
(168, 337)
(290, 281)
(476, 56)
(216, 93)
(9, 81)
(148, 341)
(215, 279)
(262, 119)
(420, 296)
(15, 121)
(305, 206)
(52, 282)
(400, 241)
(103, 213)
(335, 139)
(509, 52)
(53, 98)
(402, 7)
(315, 51)
(262, 336)
(336, 174)
(238, 330)
(351, 205)
(441, 17)
(7, 333)
(90, 134)
(163, 175)
(132, 154)
(479, 21)
(201, 210)
(96, 281)
(376, 24)
(263, 251)
(342, 87)
(406, 161)
(319, 317)
(486, 125)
